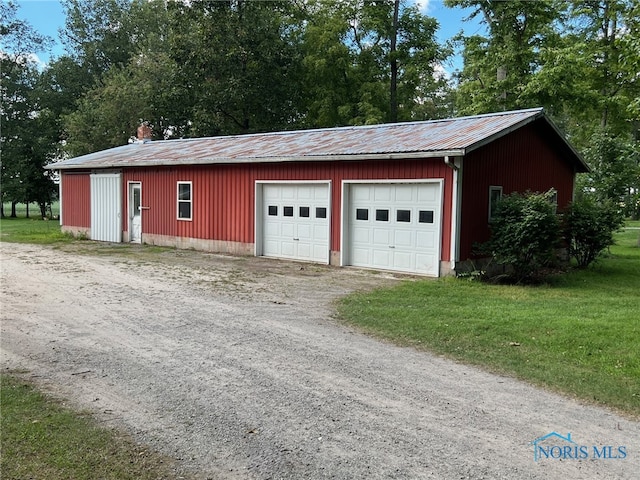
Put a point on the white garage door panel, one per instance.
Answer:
(426, 240)
(381, 236)
(409, 239)
(301, 234)
(403, 259)
(403, 238)
(382, 258)
(382, 194)
(404, 194)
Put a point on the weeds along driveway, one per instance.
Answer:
(235, 367)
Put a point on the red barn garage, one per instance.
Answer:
(409, 197)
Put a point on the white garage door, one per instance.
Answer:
(396, 226)
(296, 221)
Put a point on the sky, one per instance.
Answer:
(47, 17)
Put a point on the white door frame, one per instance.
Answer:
(346, 202)
(259, 210)
(130, 187)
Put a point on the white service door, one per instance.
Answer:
(396, 226)
(296, 221)
(135, 212)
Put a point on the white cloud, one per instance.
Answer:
(25, 59)
(34, 58)
(423, 5)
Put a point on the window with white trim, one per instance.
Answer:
(495, 194)
(185, 201)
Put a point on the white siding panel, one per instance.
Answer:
(106, 207)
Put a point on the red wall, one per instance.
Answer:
(224, 195)
(518, 162)
(76, 199)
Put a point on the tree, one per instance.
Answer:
(28, 142)
(371, 62)
(630, 60)
(119, 75)
(600, 25)
(239, 65)
(615, 172)
(101, 34)
(497, 68)
(589, 226)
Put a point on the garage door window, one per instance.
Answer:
(288, 211)
(304, 212)
(321, 212)
(273, 210)
(382, 215)
(425, 216)
(184, 201)
(362, 214)
(403, 216)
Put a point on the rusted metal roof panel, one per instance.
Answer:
(455, 136)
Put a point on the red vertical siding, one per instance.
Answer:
(76, 199)
(518, 162)
(224, 195)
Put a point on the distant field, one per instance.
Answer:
(34, 210)
(33, 229)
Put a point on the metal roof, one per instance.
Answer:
(436, 138)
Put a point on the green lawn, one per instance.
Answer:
(30, 230)
(41, 439)
(579, 334)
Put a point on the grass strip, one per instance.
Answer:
(32, 230)
(42, 439)
(579, 334)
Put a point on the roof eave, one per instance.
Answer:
(278, 159)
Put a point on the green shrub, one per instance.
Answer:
(525, 232)
(589, 228)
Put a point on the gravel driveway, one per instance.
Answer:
(235, 367)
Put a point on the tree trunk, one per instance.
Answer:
(27, 209)
(13, 209)
(43, 210)
(393, 111)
